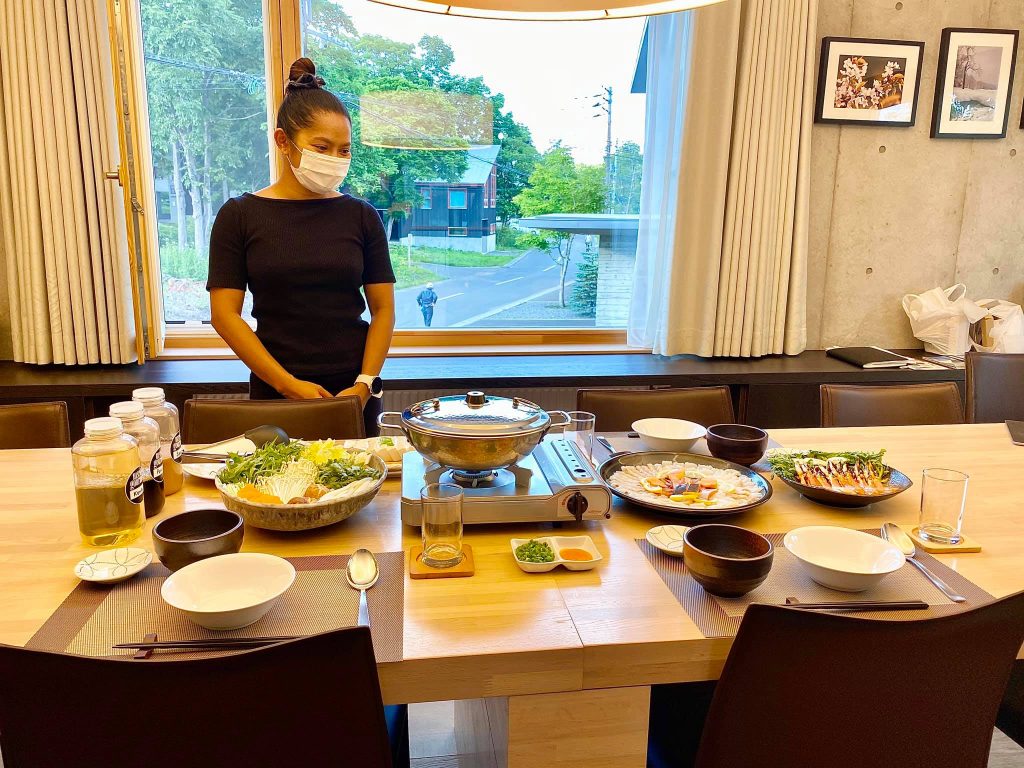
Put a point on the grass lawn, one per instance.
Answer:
(409, 275)
(454, 258)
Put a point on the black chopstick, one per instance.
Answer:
(862, 605)
(217, 642)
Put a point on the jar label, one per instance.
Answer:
(176, 449)
(133, 487)
(156, 466)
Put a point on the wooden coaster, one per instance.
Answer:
(935, 548)
(420, 570)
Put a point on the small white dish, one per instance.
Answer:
(229, 591)
(202, 471)
(223, 448)
(842, 558)
(669, 434)
(113, 565)
(667, 538)
(558, 543)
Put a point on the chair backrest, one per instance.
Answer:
(617, 409)
(208, 421)
(803, 689)
(995, 387)
(313, 701)
(863, 405)
(34, 425)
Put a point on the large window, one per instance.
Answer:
(504, 157)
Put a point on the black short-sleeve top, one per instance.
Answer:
(304, 261)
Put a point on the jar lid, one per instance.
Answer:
(476, 414)
(148, 395)
(127, 409)
(103, 426)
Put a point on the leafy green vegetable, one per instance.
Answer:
(387, 441)
(262, 462)
(782, 461)
(535, 551)
(338, 474)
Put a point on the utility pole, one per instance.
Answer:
(604, 104)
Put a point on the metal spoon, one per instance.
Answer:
(362, 573)
(896, 535)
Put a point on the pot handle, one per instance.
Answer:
(382, 420)
(555, 424)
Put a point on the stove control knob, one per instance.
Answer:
(475, 399)
(577, 505)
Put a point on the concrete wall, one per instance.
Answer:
(895, 212)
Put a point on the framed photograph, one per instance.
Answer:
(862, 81)
(974, 83)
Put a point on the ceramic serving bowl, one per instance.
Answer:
(229, 591)
(897, 483)
(737, 443)
(842, 558)
(197, 534)
(668, 434)
(727, 560)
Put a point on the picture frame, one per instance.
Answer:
(974, 83)
(868, 81)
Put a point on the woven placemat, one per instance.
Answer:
(721, 616)
(93, 618)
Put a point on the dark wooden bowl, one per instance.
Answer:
(196, 535)
(727, 560)
(737, 443)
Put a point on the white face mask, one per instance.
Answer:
(319, 173)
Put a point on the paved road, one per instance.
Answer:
(469, 295)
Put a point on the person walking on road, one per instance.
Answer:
(427, 299)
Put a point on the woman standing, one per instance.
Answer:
(308, 254)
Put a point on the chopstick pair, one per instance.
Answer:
(209, 643)
(854, 606)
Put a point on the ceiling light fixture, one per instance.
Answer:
(549, 10)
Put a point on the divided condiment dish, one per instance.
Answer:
(557, 544)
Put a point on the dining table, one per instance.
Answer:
(554, 668)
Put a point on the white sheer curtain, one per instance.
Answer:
(721, 253)
(61, 222)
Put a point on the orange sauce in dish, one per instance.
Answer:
(573, 553)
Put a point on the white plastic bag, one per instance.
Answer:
(942, 319)
(1007, 328)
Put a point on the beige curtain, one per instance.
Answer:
(62, 222)
(722, 249)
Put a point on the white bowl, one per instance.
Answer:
(842, 558)
(669, 434)
(229, 591)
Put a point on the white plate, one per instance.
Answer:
(558, 543)
(667, 538)
(113, 565)
(842, 558)
(202, 471)
(209, 471)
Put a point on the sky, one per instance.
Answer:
(548, 71)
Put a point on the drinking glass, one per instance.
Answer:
(442, 524)
(943, 496)
(580, 430)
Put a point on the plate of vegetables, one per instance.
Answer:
(299, 485)
(838, 478)
(391, 448)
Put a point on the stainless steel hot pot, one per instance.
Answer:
(474, 432)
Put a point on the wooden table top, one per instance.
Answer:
(503, 632)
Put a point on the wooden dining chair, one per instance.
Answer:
(1010, 719)
(616, 409)
(995, 387)
(209, 421)
(34, 425)
(862, 405)
(315, 701)
(802, 689)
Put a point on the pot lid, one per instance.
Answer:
(476, 414)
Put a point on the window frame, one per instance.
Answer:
(282, 35)
(465, 195)
(428, 198)
(464, 233)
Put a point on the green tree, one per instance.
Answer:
(560, 185)
(627, 169)
(584, 290)
(516, 159)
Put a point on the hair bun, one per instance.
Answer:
(302, 76)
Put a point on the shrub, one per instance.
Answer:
(183, 263)
(584, 291)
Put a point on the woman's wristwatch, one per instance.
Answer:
(373, 383)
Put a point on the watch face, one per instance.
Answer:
(377, 386)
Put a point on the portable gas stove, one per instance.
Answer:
(554, 483)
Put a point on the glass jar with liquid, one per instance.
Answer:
(108, 484)
(166, 416)
(147, 433)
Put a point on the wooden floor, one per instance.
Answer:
(432, 739)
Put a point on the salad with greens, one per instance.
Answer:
(861, 473)
(297, 473)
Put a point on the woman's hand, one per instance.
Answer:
(297, 389)
(360, 390)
